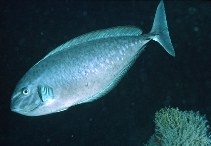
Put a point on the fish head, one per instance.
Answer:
(25, 98)
(37, 94)
(34, 96)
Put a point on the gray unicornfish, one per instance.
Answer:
(85, 68)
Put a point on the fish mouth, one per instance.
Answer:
(15, 110)
(24, 111)
(20, 111)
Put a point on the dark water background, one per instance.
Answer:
(124, 117)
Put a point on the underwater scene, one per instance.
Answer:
(105, 73)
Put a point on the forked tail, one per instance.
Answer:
(160, 29)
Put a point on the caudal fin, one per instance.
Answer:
(160, 28)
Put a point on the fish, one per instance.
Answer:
(85, 68)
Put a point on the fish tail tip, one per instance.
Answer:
(160, 28)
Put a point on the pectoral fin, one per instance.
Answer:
(45, 93)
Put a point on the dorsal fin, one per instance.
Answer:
(94, 35)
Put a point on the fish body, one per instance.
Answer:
(85, 68)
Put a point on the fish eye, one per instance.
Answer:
(25, 91)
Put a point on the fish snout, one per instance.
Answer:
(14, 104)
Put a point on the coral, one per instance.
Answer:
(180, 128)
